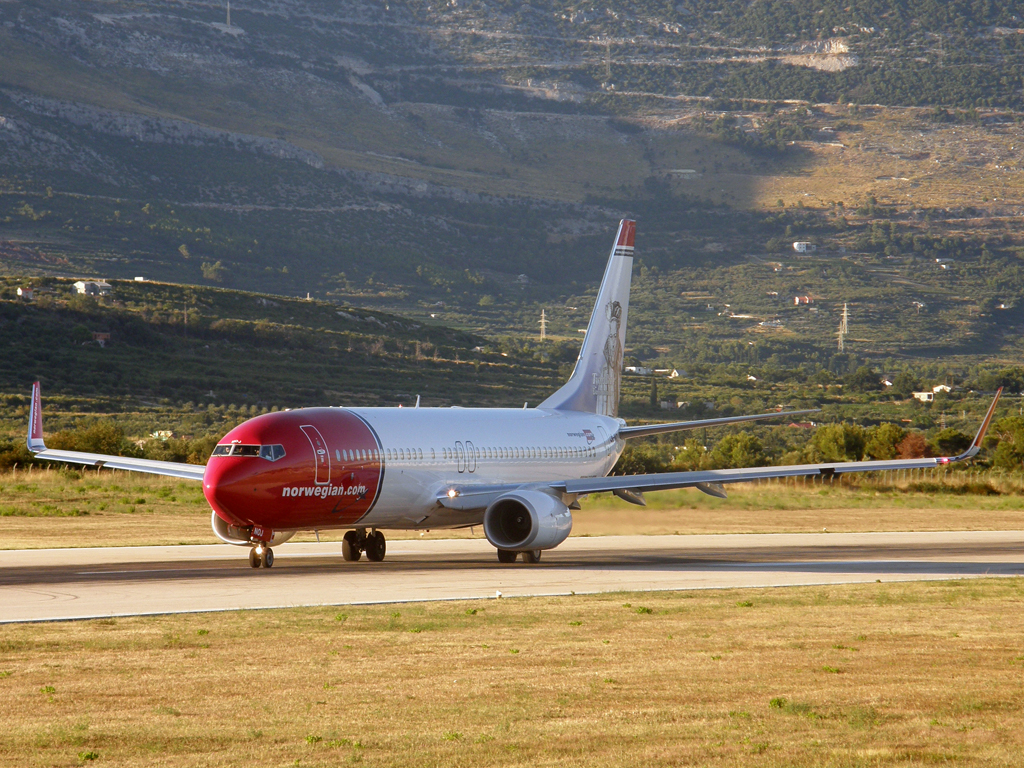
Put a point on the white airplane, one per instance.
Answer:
(517, 472)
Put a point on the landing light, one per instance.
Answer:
(452, 493)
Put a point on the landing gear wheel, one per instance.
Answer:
(532, 556)
(350, 549)
(376, 546)
(268, 558)
(254, 558)
(506, 556)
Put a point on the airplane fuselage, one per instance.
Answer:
(324, 468)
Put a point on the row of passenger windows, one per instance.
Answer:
(523, 452)
(449, 454)
(275, 452)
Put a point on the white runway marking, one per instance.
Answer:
(48, 585)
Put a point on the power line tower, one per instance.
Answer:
(844, 327)
(543, 325)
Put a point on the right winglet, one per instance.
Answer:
(35, 422)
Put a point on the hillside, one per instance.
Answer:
(238, 354)
(478, 154)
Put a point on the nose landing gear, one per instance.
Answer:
(356, 542)
(261, 555)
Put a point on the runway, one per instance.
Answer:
(48, 585)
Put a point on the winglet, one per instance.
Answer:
(976, 444)
(35, 422)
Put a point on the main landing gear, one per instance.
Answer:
(357, 542)
(261, 554)
(509, 555)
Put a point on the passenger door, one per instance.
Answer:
(321, 456)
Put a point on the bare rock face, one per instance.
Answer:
(825, 62)
(158, 130)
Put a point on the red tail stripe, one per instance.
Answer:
(627, 231)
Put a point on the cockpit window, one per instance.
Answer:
(268, 452)
(271, 452)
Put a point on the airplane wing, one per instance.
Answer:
(644, 430)
(38, 447)
(632, 487)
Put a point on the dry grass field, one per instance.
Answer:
(46, 509)
(868, 675)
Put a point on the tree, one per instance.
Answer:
(1009, 453)
(864, 380)
(882, 441)
(654, 393)
(913, 446)
(213, 272)
(102, 437)
(737, 450)
(838, 442)
(905, 384)
(1010, 378)
(642, 459)
(692, 456)
(951, 442)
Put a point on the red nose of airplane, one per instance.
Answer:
(228, 487)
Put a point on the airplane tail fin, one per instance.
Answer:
(595, 381)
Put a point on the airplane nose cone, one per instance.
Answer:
(227, 485)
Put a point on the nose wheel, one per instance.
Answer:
(355, 543)
(261, 556)
(352, 546)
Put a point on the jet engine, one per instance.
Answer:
(526, 520)
(231, 534)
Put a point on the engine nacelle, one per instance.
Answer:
(231, 534)
(523, 520)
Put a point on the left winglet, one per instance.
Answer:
(35, 422)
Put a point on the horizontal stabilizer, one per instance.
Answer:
(680, 426)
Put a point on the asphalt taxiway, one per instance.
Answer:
(56, 584)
